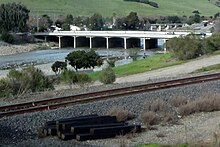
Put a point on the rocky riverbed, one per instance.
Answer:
(9, 49)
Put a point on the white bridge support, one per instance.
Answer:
(125, 43)
(74, 39)
(90, 42)
(107, 42)
(60, 41)
(164, 45)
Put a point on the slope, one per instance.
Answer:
(120, 7)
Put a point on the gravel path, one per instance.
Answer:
(173, 71)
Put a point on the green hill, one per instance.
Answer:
(120, 7)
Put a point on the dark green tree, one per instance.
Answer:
(58, 66)
(96, 22)
(44, 23)
(132, 21)
(82, 59)
(68, 21)
(13, 17)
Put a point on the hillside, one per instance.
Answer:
(120, 7)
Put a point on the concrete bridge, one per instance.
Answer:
(110, 39)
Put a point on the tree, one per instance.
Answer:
(82, 59)
(96, 22)
(132, 21)
(44, 23)
(68, 21)
(13, 17)
(58, 66)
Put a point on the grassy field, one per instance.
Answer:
(121, 8)
(147, 64)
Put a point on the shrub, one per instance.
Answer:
(5, 88)
(83, 78)
(212, 43)
(7, 37)
(120, 113)
(150, 118)
(68, 76)
(107, 76)
(185, 48)
(153, 4)
(157, 106)
(29, 79)
(179, 101)
(111, 62)
(206, 103)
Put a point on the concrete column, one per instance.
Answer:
(90, 42)
(125, 43)
(107, 43)
(45, 38)
(59, 41)
(164, 45)
(74, 37)
(144, 44)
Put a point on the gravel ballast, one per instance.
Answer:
(21, 130)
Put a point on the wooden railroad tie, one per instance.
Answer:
(88, 127)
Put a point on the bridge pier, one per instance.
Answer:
(107, 42)
(125, 43)
(60, 41)
(164, 45)
(45, 38)
(74, 41)
(90, 42)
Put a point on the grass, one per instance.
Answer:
(120, 7)
(144, 65)
(208, 68)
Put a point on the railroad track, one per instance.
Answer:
(54, 103)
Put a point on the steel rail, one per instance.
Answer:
(54, 103)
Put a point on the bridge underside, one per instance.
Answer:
(102, 42)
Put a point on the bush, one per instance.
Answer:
(83, 78)
(150, 118)
(212, 43)
(157, 106)
(107, 76)
(68, 76)
(29, 79)
(120, 113)
(5, 88)
(185, 48)
(207, 103)
(7, 37)
(153, 4)
(179, 101)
